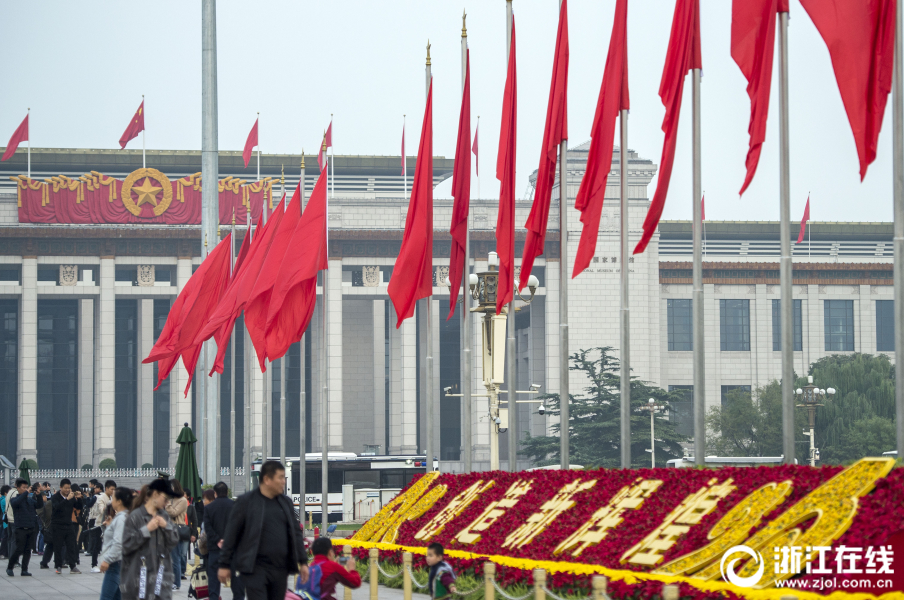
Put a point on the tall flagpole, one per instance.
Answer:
(282, 369)
(259, 147)
(266, 416)
(697, 280)
(404, 166)
(325, 375)
(143, 162)
(430, 449)
(232, 368)
(466, 430)
(29, 143)
(246, 370)
(510, 358)
(302, 404)
(625, 328)
(898, 190)
(785, 273)
(564, 395)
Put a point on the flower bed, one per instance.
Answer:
(643, 528)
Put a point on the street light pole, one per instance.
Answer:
(653, 407)
(810, 395)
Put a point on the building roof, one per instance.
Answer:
(769, 230)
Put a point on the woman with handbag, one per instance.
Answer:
(111, 553)
(176, 509)
(148, 539)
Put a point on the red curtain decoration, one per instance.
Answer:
(95, 199)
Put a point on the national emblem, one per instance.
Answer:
(147, 193)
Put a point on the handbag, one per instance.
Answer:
(202, 544)
(198, 584)
(184, 532)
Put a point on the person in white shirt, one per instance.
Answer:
(97, 515)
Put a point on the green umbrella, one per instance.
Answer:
(186, 465)
(23, 471)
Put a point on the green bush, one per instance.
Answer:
(87, 466)
(147, 466)
(107, 463)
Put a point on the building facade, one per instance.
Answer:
(82, 305)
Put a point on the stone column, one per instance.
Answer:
(437, 395)
(28, 361)
(86, 382)
(552, 333)
(334, 347)
(180, 403)
(379, 348)
(146, 408)
(408, 346)
(395, 385)
(105, 377)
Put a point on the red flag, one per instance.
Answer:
(554, 132)
(412, 277)
(295, 292)
(250, 143)
(258, 304)
(752, 46)
(461, 192)
(19, 135)
(505, 173)
(683, 55)
(474, 147)
(223, 334)
(702, 208)
(613, 98)
(136, 126)
(403, 148)
(860, 35)
(327, 143)
(803, 222)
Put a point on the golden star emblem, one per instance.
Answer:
(147, 193)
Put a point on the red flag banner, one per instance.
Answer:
(613, 98)
(327, 143)
(752, 47)
(803, 222)
(554, 132)
(683, 55)
(702, 208)
(474, 147)
(19, 135)
(223, 335)
(860, 35)
(505, 173)
(461, 192)
(250, 143)
(136, 126)
(412, 276)
(295, 292)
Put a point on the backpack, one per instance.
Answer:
(311, 589)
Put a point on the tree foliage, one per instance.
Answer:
(595, 418)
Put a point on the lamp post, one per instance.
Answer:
(810, 395)
(653, 407)
(484, 287)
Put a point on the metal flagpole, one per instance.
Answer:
(564, 394)
(246, 370)
(209, 215)
(466, 429)
(282, 369)
(259, 148)
(697, 280)
(429, 396)
(325, 375)
(898, 190)
(404, 165)
(232, 367)
(511, 359)
(143, 162)
(29, 143)
(787, 314)
(201, 393)
(266, 417)
(625, 329)
(302, 404)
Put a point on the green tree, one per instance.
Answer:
(595, 418)
(867, 437)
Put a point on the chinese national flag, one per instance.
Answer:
(327, 143)
(19, 135)
(250, 143)
(412, 277)
(803, 222)
(461, 192)
(505, 173)
(555, 131)
(136, 126)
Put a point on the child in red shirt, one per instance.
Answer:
(441, 583)
(325, 572)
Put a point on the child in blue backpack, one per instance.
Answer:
(325, 572)
(441, 583)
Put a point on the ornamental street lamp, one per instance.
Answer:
(810, 395)
(653, 407)
(484, 287)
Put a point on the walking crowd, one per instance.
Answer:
(140, 539)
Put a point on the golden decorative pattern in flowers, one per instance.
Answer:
(377, 525)
(157, 176)
(455, 507)
(420, 507)
(493, 511)
(549, 512)
(597, 527)
(649, 551)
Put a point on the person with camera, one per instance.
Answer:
(325, 571)
(66, 504)
(25, 506)
(148, 539)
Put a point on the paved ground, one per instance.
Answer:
(47, 585)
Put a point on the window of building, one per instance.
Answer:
(161, 394)
(681, 412)
(680, 321)
(729, 392)
(9, 376)
(734, 322)
(777, 325)
(885, 325)
(57, 384)
(126, 383)
(839, 325)
(450, 377)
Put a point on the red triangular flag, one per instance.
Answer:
(295, 293)
(250, 143)
(613, 98)
(554, 132)
(461, 192)
(223, 335)
(327, 143)
(19, 135)
(683, 55)
(412, 276)
(702, 208)
(136, 126)
(474, 147)
(505, 173)
(860, 35)
(803, 222)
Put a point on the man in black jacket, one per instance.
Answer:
(24, 506)
(64, 502)
(264, 541)
(216, 518)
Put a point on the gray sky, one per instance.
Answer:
(82, 68)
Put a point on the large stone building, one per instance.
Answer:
(81, 305)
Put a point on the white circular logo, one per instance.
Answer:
(728, 571)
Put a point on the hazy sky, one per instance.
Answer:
(82, 67)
